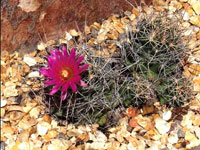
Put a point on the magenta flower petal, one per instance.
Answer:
(63, 71)
(47, 73)
(73, 86)
(80, 59)
(82, 83)
(44, 71)
(65, 87)
(65, 51)
(64, 48)
(64, 91)
(50, 61)
(84, 67)
(76, 79)
(53, 53)
(50, 82)
(55, 89)
(64, 95)
(73, 54)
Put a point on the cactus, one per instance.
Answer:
(148, 69)
(156, 52)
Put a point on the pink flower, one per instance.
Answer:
(64, 71)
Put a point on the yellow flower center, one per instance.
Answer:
(66, 73)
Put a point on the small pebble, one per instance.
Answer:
(167, 115)
(34, 74)
(162, 126)
(3, 103)
(173, 138)
(68, 36)
(29, 61)
(41, 130)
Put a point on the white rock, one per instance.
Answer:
(186, 24)
(172, 8)
(68, 36)
(10, 91)
(100, 136)
(3, 103)
(141, 145)
(173, 138)
(88, 128)
(188, 32)
(41, 130)
(187, 122)
(120, 137)
(123, 146)
(131, 147)
(34, 74)
(41, 46)
(154, 147)
(162, 126)
(170, 146)
(23, 146)
(29, 61)
(58, 144)
(185, 16)
(92, 137)
(195, 5)
(95, 145)
(10, 83)
(197, 131)
(167, 115)
(35, 112)
(196, 29)
(192, 144)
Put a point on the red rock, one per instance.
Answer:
(25, 23)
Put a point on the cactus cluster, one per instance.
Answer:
(96, 103)
(148, 69)
(157, 50)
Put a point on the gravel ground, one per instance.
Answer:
(25, 124)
